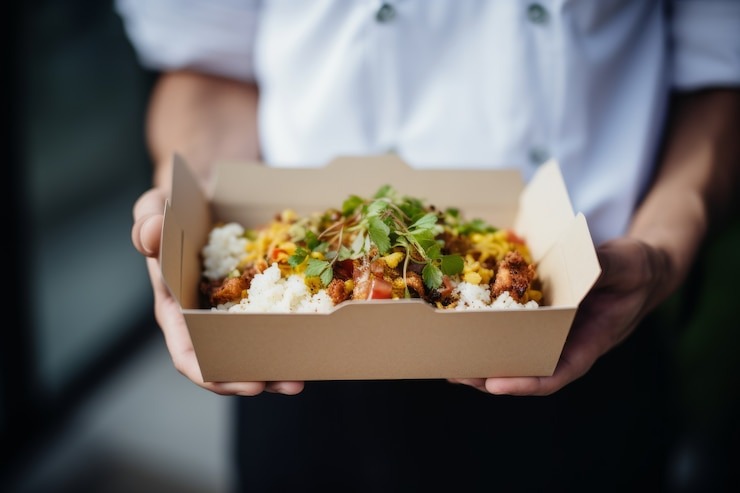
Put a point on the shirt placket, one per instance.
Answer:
(539, 15)
(385, 59)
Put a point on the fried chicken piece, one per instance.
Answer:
(231, 289)
(513, 275)
(415, 283)
(337, 291)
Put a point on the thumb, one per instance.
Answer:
(148, 219)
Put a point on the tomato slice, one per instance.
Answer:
(276, 253)
(380, 289)
(445, 290)
(514, 238)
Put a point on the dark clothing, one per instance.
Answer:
(608, 431)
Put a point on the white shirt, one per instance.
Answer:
(463, 83)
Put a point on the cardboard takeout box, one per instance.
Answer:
(388, 339)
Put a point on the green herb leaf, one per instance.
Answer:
(315, 267)
(432, 276)
(344, 253)
(376, 207)
(384, 191)
(412, 207)
(298, 257)
(312, 241)
(425, 238)
(321, 247)
(326, 276)
(321, 269)
(351, 204)
(379, 234)
(476, 226)
(427, 221)
(452, 212)
(452, 264)
(433, 250)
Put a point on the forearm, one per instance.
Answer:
(204, 119)
(692, 190)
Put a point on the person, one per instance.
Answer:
(639, 103)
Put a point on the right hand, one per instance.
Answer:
(635, 278)
(146, 237)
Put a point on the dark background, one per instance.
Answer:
(78, 305)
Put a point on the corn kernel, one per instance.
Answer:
(349, 285)
(392, 259)
(313, 284)
(472, 278)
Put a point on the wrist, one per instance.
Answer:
(674, 238)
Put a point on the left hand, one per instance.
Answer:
(631, 284)
(145, 235)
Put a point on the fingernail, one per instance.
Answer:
(148, 249)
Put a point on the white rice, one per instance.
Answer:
(224, 250)
(271, 293)
(476, 297)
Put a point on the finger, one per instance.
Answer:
(146, 235)
(627, 262)
(515, 386)
(176, 335)
(180, 346)
(244, 389)
(150, 202)
(616, 259)
(577, 358)
(287, 388)
(148, 219)
(170, 320)
(476, 383)
(564, 374)
(579, 354)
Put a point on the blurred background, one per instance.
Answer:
(89, 400)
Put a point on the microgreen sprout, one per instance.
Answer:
(385, 222)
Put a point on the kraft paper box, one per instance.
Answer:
(380, 339)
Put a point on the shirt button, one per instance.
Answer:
(537, 13)
(385, 13)
(538, 155)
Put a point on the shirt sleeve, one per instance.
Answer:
(705, 37)
(212, 36)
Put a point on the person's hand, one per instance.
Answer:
(146, 236)
(631, 284)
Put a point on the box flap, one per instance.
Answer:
(254, 194)
(545, 209)
(170, 253)
(189, 201)
(187, 224)
(583, 263)
(570, 268)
